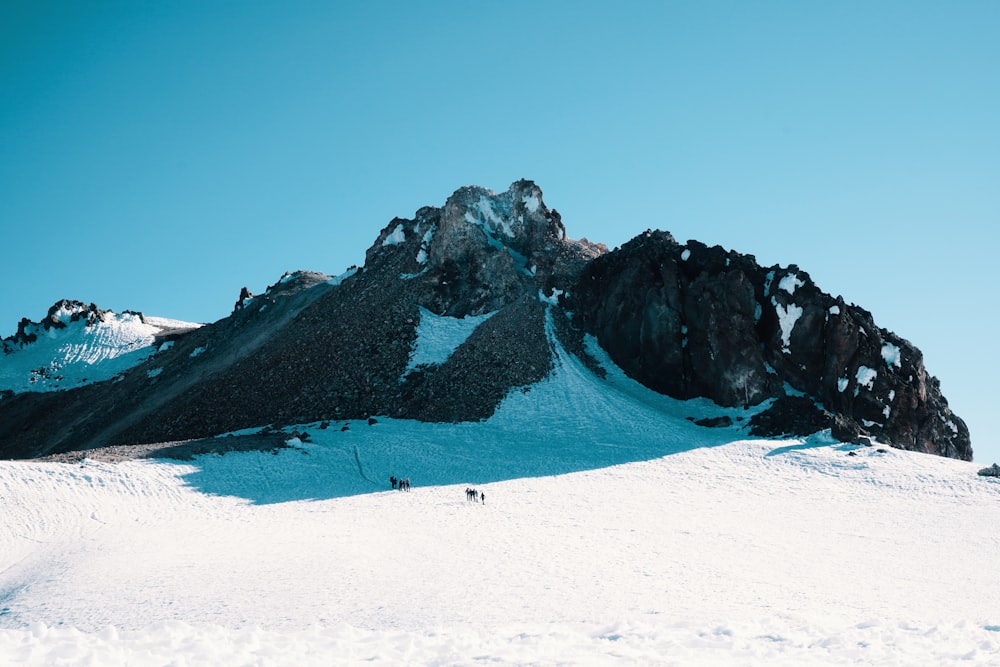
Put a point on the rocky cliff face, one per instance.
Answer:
(690, 320)
(685, 320)
(482, 250)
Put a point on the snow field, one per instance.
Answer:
(744, 552)
(181, 644)
(81, 354)
(614, 531)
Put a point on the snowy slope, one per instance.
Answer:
(613, 531)
(81, 352)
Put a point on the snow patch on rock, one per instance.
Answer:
(397, 236)
(890, 353)
(866, 377)
(790, 282)
(787, 317)
(438, 336)
(531, 203)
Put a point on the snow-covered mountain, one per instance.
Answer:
(610, 409)
(76, 344)
(683, 319)
(608, 529)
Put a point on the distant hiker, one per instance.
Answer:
(407, 483)
(392, 481)
(483, 496)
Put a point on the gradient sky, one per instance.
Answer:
(158, 156)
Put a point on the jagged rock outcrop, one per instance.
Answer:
(691, 320)
(685, 320)
(60, 314)
(245, 295)
(482, 250)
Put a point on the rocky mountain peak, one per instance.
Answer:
(482, 249)
(765, 344)
(517, 220)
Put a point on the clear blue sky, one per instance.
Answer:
(158, 156)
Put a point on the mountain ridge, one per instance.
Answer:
(684, 319)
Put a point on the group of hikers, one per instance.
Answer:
(399, 484)
(472, 495)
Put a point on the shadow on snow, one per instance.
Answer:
(569, 422)
(360, 460)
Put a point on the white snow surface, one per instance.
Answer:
(866, 377)
(79, 354)
(490, 219)
(787, 317)
(890, 353)
(438, 336)
(790, 282)
(614, 531)
(396, 236)
(338, 280)
(531, 203)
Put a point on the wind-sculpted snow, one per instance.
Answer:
(80, 351)
(611, 530)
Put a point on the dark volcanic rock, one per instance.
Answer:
(689, 321)
(312, 349)
(790, 415)
(847, 430)
(508, 350)
(715, 422)
(990, 471)
(680, 320)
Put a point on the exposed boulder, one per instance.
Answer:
(715, 422)
(846, 429)
(790, 415)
